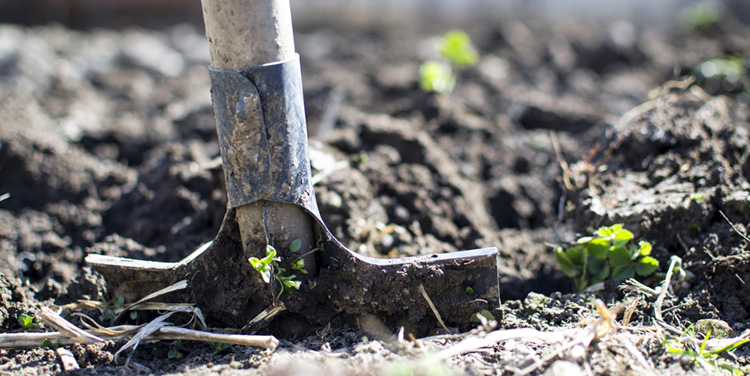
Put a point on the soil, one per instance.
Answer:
(108, 146)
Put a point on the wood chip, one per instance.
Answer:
(67, 359)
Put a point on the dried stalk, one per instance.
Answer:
(116, 333)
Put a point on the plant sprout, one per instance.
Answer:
(456, 49)
(606, 255)
(269, 268)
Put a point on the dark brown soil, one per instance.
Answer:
(108, 146)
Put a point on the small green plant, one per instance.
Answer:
(729, 67)
(217, 347)
(50, 345)
(456, 49)
(436, 77)
(701, 16)
(269, 268)
(606, 255)
(27, 321)
(700, 354)
(174, 354)
(484, 313)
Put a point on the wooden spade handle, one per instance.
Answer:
(242, 33)
(248, 32)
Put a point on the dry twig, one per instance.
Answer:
(432, 306)
(51, 319)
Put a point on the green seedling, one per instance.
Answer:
(456, 49)
(700, 354)
(608, 254)
(484, 313)
(217, 347)
(730, 67)
(174, 354)
(50, 345)
(269, 268)
(700, 16)
(436, 77)
(697, 197)
(118, 302)
(27, 322)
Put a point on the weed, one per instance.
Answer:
(607, 255)
(701, 354)
(436, 77)
(217, 347)
(729, 67)
(269, 267)
(455, 47)
(484, 313)
(50, 345)
(701, 16)
(27, 322)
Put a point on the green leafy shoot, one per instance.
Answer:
(217, 347)
(118, 302)
(436, 77)
(50, 345)
(608, 254)
(456, 52)
(265, 265)
(729, 67)
(296, 245)
(456, 47)
(701, 16)
(27, 321)
(174, 354)
(269, 268)
(701, 354)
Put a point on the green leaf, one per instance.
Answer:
(619, 256)
(646, 265)
(598, 267)
(133, 315)
(645, 248)
(174, 354)
(621, 237)
(598, 248)
(584, 239)
(436, 77)
(118, 302)
(292, 283)
(270, 254)
(623, 272)
(456, 47)
(298, 263)
(608, 232)
(263, 268)
(48, 344)
(26, 321)
(566, 265)
(577, 254)
(296, 245)
(469, 290)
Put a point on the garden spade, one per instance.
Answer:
(257, 95)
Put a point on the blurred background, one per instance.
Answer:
(84, 14)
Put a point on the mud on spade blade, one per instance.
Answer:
(263, 139)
